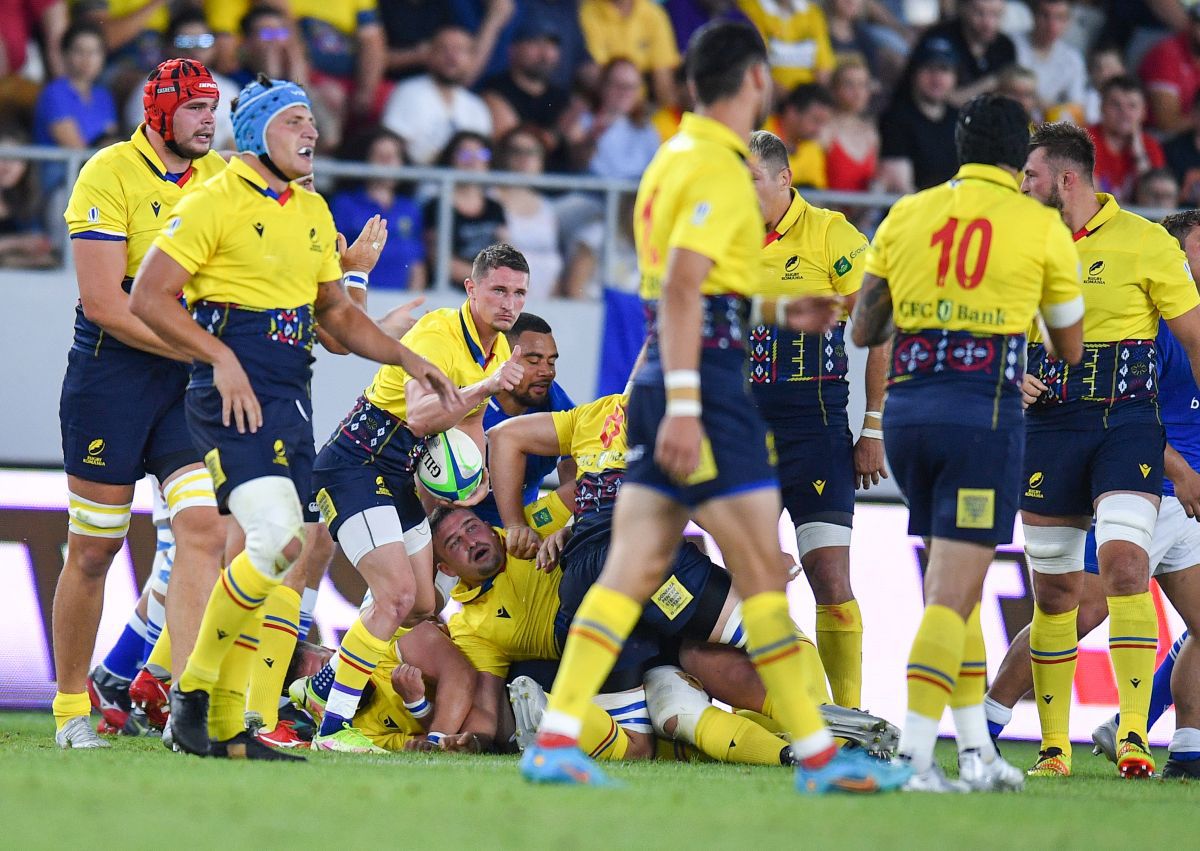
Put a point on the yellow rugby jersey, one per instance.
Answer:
(509, 618)
(347, 15)
(812, 251)
(124, 192)
(157, 21)
(1133, 273)
(594, 434)
(244, 245)
(383, 718)
(973, 254)
(449, 340)
(797, 38)
(697, 194)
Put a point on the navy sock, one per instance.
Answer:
(126, 654)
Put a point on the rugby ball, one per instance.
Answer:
(451, 467)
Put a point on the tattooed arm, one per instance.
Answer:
(872, 319)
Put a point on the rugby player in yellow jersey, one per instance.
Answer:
(257, 261)
(122, 407)
(954, 277)
(698, 232)
(1095, 445)
(364, 475)
(799, 383)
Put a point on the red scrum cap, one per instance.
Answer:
(170, 85)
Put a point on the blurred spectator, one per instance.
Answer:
(982, 49)
(20, 21)
(1183, 158)
(917, 131)
(851, 141)
(476, 220)
(1021, 85)
(75, 111)
(666, 118)
(851, 35)
(1132, 26)
(1057, 66)
(561, 16)
(687, 16)
(347, 51)
(636, 30)
(402, 263)
(410, 26)
(490, 21)
(797, 40)
(524, 94)
(531, 220)
(22, 242)
(801, 123)
(190, 37)
(133, 32)
(616, 139)
(1171, 74)
(269, 46)
(426, 111)
(1123, 149)
(1157, 189)
(1104, 63)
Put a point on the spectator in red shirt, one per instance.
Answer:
(1124, 151)
(1171, 72)
(20, 21)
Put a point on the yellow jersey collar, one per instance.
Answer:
(794, 211)
(703, 127)
(141, 143)
(471, 336)
(990, 173)
(1107, 212)
(238, 166)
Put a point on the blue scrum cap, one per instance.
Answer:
(256, 105)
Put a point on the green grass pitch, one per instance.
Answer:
(137, 795)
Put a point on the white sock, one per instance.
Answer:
(971, 724)
(1185, 740)
(561, 723)
(997, 712)
(917, 740)
(812, 744)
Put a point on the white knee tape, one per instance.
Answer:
(360, 533)
(1126, 517)
(673, 693)
(813, 536)
(627, 708)
(159, 515)
(190, 490)
(1054, 549)
(269, 512)
(418, 537)
(95, 519)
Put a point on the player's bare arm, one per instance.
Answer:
(359, 333)
(1186, 328)
(872, 318)
(677, 447)
(153, 300)
(508, 445)
(100, 268)
(869, 466)
(430, 650)
(484, 719)
(1185, 479)
(551, 549)
(430, 414)
(360, 257)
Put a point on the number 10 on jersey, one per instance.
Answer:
(976, 240)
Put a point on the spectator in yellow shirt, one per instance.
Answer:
(637, 30)
(797, 38)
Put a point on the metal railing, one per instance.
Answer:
(445, 179)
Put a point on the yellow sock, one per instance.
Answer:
(839, 640)
(765, 721)
(1132, 643)
(358, 655)
(68, 706)
(603, 622)
(239, 591)
(1053, 650)
(733, 738)
(934, 660)
(775, 651)
(276, 643)
(160, 654)
(971, 684)
(601, 736)
(227, 707)
(814, 670)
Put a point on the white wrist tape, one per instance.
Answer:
(355, 280)
(682, 379)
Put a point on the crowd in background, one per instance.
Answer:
(866, 98)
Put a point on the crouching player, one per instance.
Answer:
(257, 262)
(958, 344)
(364, 477)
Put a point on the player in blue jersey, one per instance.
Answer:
(1174, 550)
(537, 392)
